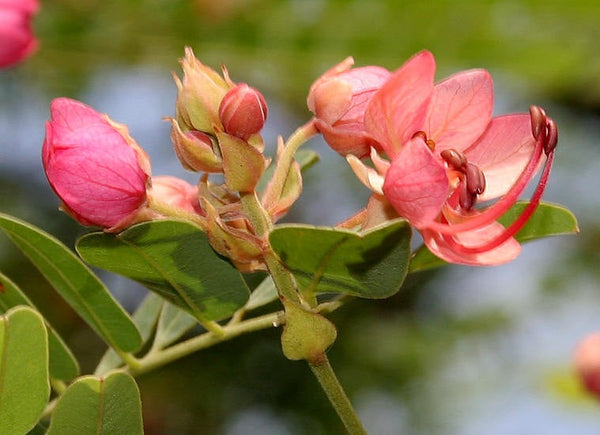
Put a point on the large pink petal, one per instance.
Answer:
(416, 183)
(399, 108)
(444, 247)
(68, 115)
(502, 152)
(460, 109)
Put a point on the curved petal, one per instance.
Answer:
(503, 152)
(446, 247)
(416, 183)
(460, 109)
(397, 111)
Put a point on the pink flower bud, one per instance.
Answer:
(339, 99)
(176, 193)
(16, 37)
(94, 166)
(587, 362)
(243, 111)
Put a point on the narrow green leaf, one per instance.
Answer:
(99, 405)
(24, 384)
(172, 324)
(548, 220)
(174, 259)
(63, 364)
(263, 294)
(77, 284)
(370, 265)
(145, 317)
(305, 158)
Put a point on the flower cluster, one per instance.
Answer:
(438, 158)
(445, 153)
(16, 37)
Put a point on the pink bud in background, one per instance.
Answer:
(586, 361)
(94, 166)
(16, 37)
(243, 111)
(339, 99)
(175, 192)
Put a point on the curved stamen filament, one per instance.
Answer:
(517, 225)
(496, 210)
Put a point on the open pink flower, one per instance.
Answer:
(339, 99)
(16, 37)
(94, 166)
(447, 153)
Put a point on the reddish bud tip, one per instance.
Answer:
(243, 111)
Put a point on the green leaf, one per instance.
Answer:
(370, 265)
(63, 364)
(172, 324)
(99, 405)
(548, 220)
(24, 384)
(174, 259)
(77, 284)
(263, 294)
(145, 317)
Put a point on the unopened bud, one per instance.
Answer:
(199, 94)
(243, 111)
(196, 150)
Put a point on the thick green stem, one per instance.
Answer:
(336, 395)
(158, 359)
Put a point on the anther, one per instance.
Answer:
(538, 120)
(475, 179)
(420, 134)
(466, 199)
(551, 136)
(454, 158)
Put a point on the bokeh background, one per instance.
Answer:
(458, 351)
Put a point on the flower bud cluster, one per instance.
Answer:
(217, 125)
(103, 176)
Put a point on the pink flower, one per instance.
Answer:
(338, 99)
(16, 37)
(176, 192)
(586, 361)
(94, 166)
(447, 153)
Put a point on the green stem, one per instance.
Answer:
(168, 210)
(336, 395)
(159, 359)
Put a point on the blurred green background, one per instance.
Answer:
(458, 351)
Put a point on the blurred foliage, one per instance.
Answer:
(281, 46)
